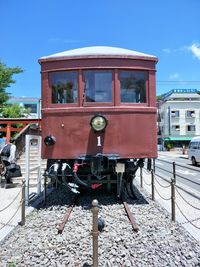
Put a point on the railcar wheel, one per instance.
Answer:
(194, 162)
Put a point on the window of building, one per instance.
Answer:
(31, 107)
(190, 113)
(175, 127)
(175, 113)
(64, 86)
(133, 86)
(191, 128)
(98, 86)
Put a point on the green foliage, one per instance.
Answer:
(14, 111)
(159, 97)
(6, 79)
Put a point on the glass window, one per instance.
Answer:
(190, 113)
(98, 86)
(64, 86)
(191, 128)
(175, 113)
(175, 127)
(133, 86)
(31, 107)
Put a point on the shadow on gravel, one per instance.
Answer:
(64, 197)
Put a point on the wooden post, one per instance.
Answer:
(173, 198)
(8, 133)
(95, 232)
(23, 205)
(174, 172)
(45, 188)
(141, 177)
(152, 185)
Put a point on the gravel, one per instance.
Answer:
(159, 242)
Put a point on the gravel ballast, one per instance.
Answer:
(159, 242)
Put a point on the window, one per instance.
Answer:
(191, 128)
(133, 86)
(31, 107)
(175, 113)
(194, 145)
(64, 87)
(190, 113)
(98, 86)
(175, 127)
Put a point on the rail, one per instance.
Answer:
(15, 125)
(21, 205)
(168, 188)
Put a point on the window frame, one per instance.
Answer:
(76, 104)
(188, 125)
(91, 104)
(146, 72)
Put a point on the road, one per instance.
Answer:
(186, 174)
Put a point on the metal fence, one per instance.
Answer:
(20, 205)
(167, 186)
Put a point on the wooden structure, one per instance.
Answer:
(10, 126)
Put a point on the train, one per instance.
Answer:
(98, 116)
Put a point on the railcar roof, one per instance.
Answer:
(98, 51)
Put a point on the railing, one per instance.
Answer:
(20, 204)
(25, 126)
(10, 126)
(167, 188)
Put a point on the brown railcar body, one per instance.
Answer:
(131, 131)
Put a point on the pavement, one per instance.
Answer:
(174, 153)
(10, 208)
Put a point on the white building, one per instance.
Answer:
(179, 116)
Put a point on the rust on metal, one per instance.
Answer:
(131, 218)
(66, 217)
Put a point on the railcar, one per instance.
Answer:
(98, 115)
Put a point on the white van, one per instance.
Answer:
(194, 150)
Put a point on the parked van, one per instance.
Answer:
(194, 150)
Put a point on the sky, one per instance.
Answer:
(170, 30)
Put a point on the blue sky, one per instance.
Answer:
(167, 29)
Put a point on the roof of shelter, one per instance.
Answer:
(23, 99)
(181, 93)
(99, 51)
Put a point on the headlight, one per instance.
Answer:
(98, 123)
(49, 140)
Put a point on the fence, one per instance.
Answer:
(5, 211)
(167, 186)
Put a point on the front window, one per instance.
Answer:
(64, 86)
(133, 87)
(98, 86)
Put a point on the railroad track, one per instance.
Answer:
(73, 203)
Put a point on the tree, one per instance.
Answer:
(6, 79)
(14, 111)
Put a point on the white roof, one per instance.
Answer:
(98, 51)
(184, 95)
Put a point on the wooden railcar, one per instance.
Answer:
(98, 113)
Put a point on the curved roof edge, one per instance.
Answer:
(98, 51)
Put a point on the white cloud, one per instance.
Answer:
(167, 50)
(174, 76)
(195, 49)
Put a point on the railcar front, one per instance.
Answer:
(98, 115)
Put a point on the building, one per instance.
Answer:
(31, 103)
(179, 117)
